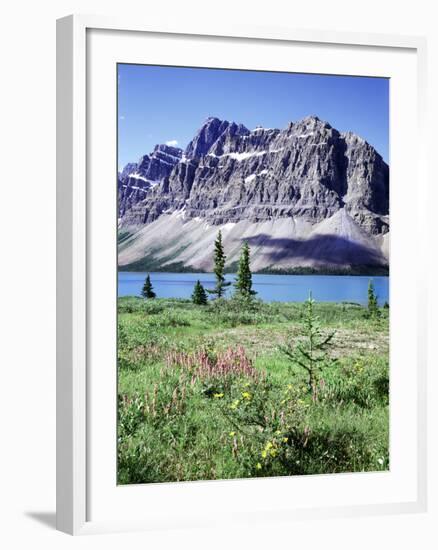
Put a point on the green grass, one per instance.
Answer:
(181, 418)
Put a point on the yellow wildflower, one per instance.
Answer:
(285, 439)
(258, 466)
(246, 395)
(232, 434)
(273, 452)
(218, 395)
(264, 454)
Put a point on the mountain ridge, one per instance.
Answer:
(229, 176)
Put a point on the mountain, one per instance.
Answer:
(137, 179)
(306, 196)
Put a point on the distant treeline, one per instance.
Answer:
(370, 270)
(178, 267)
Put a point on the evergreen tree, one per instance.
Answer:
(219, 268)
(243, 282)
(199, 295)
(373, 308)
(311, 353)
(148, 291)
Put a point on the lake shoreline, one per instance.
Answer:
(360, 271)
(269, 288)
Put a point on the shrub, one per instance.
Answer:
(199, 296)
(240, 310)
(362, 382)
(267, 424)
(168, 318)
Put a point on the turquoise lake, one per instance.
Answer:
(270, 288)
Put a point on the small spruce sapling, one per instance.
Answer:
(373, 307)
(148, 291)
(199, 295)
(311, 352)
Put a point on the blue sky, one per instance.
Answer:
(169, 104)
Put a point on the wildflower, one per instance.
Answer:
(218, 395)
(258, 466)
(232, 434)
(234, 404)
(246, 395)
(264, 454)
(268, 445)
(278, 432)
(285, 439)
(273, 453)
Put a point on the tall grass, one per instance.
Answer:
(205, 392)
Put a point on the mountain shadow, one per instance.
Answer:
(320, 249)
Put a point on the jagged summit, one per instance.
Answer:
(209, 133)
(305, 173)
(354, 140)
(314, 120)
(137, 179)
(215, 128)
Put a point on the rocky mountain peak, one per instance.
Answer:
(128, 169)
(167, 149)
(353, 140)
(137, 179)
(310, 124)
(308, 169)
(306, 174)
(209, 133)
(142, 165)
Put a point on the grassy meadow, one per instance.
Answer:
(219, 391)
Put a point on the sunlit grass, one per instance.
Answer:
(177, 426)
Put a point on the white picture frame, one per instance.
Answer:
(76, 215)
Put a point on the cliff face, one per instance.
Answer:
(137, 179)
(308, 177)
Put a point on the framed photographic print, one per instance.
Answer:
(239, 327)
